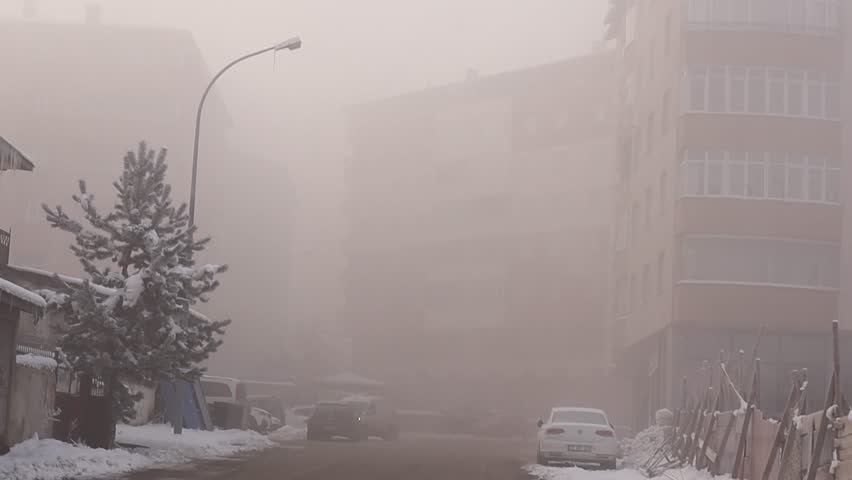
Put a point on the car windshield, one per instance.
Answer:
(578, 416)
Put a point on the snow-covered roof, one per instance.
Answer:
(349, 378)
(36, 362)
(45, 275)
(12, 159)
(21, 294)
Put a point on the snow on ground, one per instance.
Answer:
(556, 473)
(638, 450)
(36, 362)
(53, 460)
(288, 433)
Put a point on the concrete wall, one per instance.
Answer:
(33, 395)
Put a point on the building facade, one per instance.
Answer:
(729, 201)
(478, 235)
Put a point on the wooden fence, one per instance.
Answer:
(720, 427)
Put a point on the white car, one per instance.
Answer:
(577, 436)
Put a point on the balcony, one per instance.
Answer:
(761, 194)
(812, 17)
(746, 306)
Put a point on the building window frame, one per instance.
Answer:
(749, 176)
(765, 91)
(816, 17)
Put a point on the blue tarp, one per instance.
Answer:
(191, 411)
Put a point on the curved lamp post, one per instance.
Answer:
(290, 44)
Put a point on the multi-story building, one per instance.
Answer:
(478, 235)
(729, 195)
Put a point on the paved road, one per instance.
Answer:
(410, 458)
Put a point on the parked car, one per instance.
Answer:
(297, 417)
(577, 435)
(223, 389)
(271, 403)
(336, 419)
(378, 415)
(262, 421)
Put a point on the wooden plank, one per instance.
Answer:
(741, 446)
(823, 429)
(782, 427)
(843, 470)
(717, 465)
(838, 391)
(701, 462)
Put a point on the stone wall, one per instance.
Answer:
(32, 403)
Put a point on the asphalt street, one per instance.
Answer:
(409, 458)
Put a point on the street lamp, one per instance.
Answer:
(291, 44)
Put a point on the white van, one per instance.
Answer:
(223, 389)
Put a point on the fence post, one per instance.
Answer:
(821, 432)
(739, 461)
(782, 426)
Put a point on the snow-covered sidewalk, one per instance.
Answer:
(555, 473)
(53, 460)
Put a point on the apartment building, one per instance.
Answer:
(729, 200)
(478, 236)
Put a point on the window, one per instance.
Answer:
(796, 178)
(737, 89)
(715, 173)
(693, 174)
(813, 16)
(578, 416)
(795, 93)
(216, 389)
(697, 89)
(661, 265)
(777, 93)
(664, 192)
(756, 176)
(761, 175)
(816, 179)
(648, 207)
(761, 91)
(761, 261)
(815, 95)
(756, 90)
(716, 100)
(736, 174)
(646, 277)
(777, 177)
(719, 11)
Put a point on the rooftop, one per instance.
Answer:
(12, 159)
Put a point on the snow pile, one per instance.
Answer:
(637, 451)
(552, 473)
(53, 460)
(35, 361)
(192, 443)
(288, 433)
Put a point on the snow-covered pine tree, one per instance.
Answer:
(131, 317)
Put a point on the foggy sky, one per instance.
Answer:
(289, 112)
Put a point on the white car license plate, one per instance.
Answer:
(580, 448)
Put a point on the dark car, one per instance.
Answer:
(336, 419)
